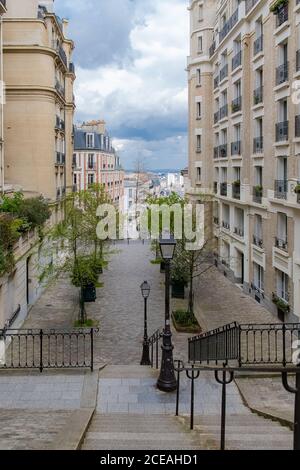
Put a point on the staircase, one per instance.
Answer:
(132, 414)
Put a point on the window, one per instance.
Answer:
(198, 73)
(199, 110)
(198, 174)
(91, 179)
(258, 277)
(90, 139)
(282, 226)
(75, 179)
(200, 13)
(200, 44)
(198, 139)
(283, 285)
(91, 162)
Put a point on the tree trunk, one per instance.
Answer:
(191, 283)
(82, 311)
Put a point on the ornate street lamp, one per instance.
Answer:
(167, 381)
(145, 289)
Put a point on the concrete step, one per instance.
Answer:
(266, 431)
(235, 420)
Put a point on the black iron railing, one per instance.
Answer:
(223, 151)
(282, 131)
(236, 148)
(282, 73)
(236, 104)
(249, 344)
(227, 27)
(258, 144)
(258, 95)
(224, 111)
(250, 4)
(281, 189)
(257, 194)
(224, 72)
(154, 342)
(282, 14)
(237, 60)
(236, 190)
(258, 45)
(47, 349)
(223, 189)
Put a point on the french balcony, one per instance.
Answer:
(216, 81)
(258, 45)
(223, 151)
(282, 131)
(216, 117)
(237, 60)
(224, 111)
(60, 158)
(282, 14)
(236, 148)
(227, 27)
(258, 95)
(226, 225)
(250, 4)
(236, 104)
(258, 144)
(60, 123)
(297, 126)
(224, 72)
(236, 190)
(281, 189)
(212, 49)
(282, 244)
(257, 241)
(282, 73)
(216, 221)
(223, 189)
(257, 194)
(239, 231)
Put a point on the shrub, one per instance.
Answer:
(185, 318)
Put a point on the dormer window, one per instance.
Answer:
(90, 141)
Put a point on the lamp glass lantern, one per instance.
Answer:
(145, 288)
(167, 248)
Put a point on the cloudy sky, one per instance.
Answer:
(130, 65)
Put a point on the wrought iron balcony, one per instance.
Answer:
(60, 158)
(281, 244)
(250, 4)
(258, 95)
(257, 194)
(236, 190)
(216, 221)
(212, 49)
(258, 45)
(216, 82)
(236, 148)
(229, 25)
(224, 72)
(258, 144)
(236, 104)
(223, 189)
(224, 111)
(282, 131)
(282, 14)
(237, 60)
(281, 189)
(257, 241)
(60, 123)
(226, 225)
(216, 117)
(282, 73)
(63, 55)
(297, 125)
(223, 151)
(239, 231)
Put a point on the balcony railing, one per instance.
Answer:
(250, 4)
(257, 241)
(216, 117)
(223, 189)
(60, 123)
(282, 131)
(281, 189)
(297, 126)
(212, 49)
(226, 225)
(258, 45)
(224, 72)
(60, 88)
(216, 221)
(258, 95)
(236, 148)
(257, 194)
(229, 25)
(258, 144)
(224, 111)
(63, 55)
(60, 158)
(282, 73)
(239, 231)
(282, 14)
(236, 190)
(236, 104)
(223, 151)
(237, 60)
(216, 81)
(216, 187)
(282, 244)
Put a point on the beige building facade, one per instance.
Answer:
(38, 134)
(38, 119)
(244, 142)
(2, 11)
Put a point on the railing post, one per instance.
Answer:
(92, 349)
(240, 345)
(41, 351)
(284, 345)
(297, 414)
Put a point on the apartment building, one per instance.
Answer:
(38, 120)
(95, 161)
(38, 129)
(244, 142)
(2, 11)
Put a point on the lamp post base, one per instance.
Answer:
(146, 355)
(167, 381)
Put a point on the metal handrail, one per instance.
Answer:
(153, 342)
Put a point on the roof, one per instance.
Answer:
(102, 142)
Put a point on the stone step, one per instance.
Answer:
(236, 420)
(258, 445)
(268, 431)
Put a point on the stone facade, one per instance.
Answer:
(244, 141)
